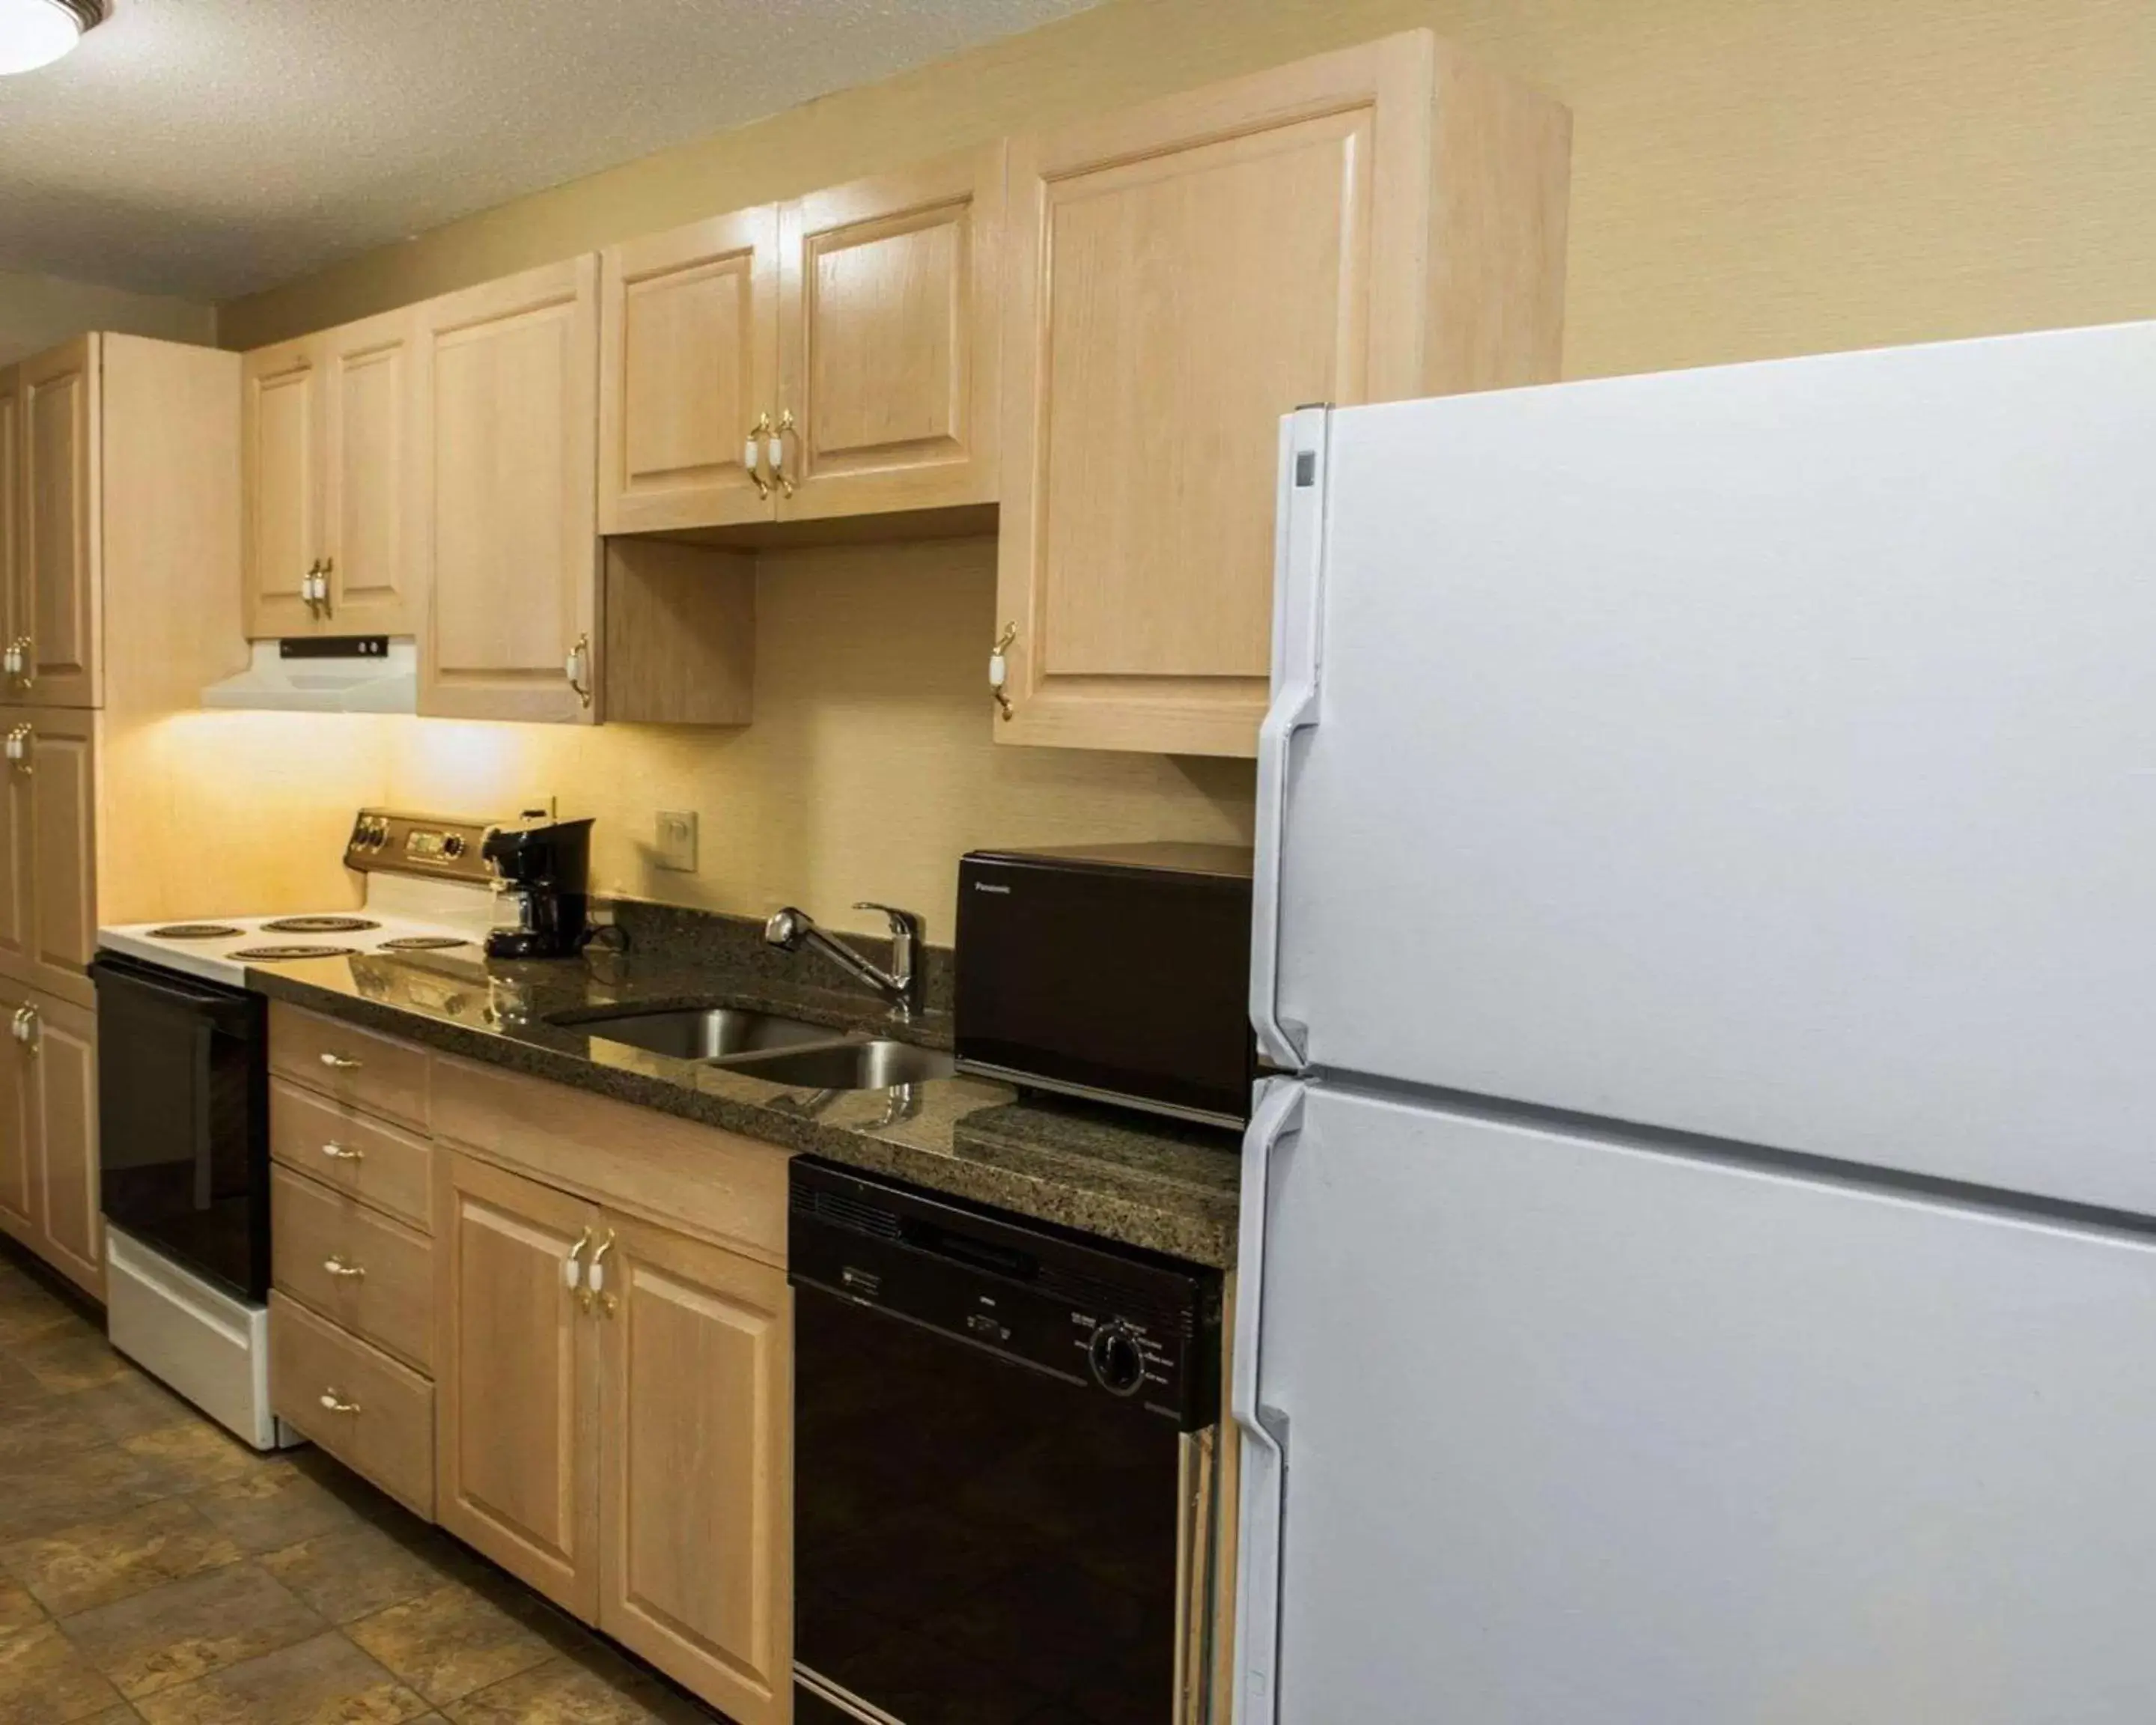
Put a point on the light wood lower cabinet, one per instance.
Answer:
(516, 1466)
(48, 1166)
(697, 1467)
(373, 1415)
(616, 1405)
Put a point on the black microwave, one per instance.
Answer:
(1119, 973)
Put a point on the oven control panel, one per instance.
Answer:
(384, 841)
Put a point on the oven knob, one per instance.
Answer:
(1118, 1363)
(453, 847)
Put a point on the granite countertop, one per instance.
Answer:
(1159, 1185)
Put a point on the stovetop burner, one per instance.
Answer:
(279, 955)
(423, 944)
(319, 924)
(194, 931)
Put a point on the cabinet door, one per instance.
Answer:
(280, 486)
(18, 1203)
(508, 375)
(888, 340)
(368, 543)
(62, 1074)
(697, 1491)
(690, 346)
(14, 568)
(1177, 279)
(61, 768)
(60, 524)
(18, 858)
(517, 1457)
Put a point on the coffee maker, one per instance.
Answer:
(542, 865)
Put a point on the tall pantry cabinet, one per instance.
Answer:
(118, 538)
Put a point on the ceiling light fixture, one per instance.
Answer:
(36, 32)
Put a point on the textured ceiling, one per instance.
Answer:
(211, 148)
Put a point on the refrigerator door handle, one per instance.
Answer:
(1264, 1428)
(1298, 572)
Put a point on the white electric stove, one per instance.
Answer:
(184, 1101)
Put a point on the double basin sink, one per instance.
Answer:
(762, 1045)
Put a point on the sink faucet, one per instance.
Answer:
(903, 985)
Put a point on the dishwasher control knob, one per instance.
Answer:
(1118, 1362)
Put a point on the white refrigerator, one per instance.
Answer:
(1701, 1270)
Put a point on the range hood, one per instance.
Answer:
(347, 674)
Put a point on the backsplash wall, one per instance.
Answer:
(867, 771)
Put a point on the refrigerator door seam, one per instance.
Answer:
(1298, 586)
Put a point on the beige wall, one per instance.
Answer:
(37, 311)
(1752, 177)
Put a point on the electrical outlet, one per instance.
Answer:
(677, 841)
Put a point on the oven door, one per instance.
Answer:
(183, 1091)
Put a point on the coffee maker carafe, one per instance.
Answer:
(541, 866)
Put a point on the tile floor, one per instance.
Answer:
(153, 1569)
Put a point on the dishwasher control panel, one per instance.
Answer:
(1133, 1326)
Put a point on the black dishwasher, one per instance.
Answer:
(1003, 1466)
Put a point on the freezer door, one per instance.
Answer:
(1578, 1432)
(1767, 752)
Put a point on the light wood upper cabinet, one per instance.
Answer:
(889, 354)
(281, 483)
(691, 351)
(854, 331)
(328, 477)
(15, 607)
(696, 1481)
(516, 1455)
(59, 517)
(370, 544)
(1383, 222)
(507, 376)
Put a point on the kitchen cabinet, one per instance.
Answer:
(49, 849)
(48, 1167)
(690, 346)
(328, 446)
(508, 450)
(518, 1453)
(14, 565)
(615, 1401)
(696, 1400)
(60, 518)
(835, 355)
(352, 1331)
(1383, 222)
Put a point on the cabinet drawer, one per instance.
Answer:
(345, 1149)
(373, 1276)
(381, 1425)
(355, 1066)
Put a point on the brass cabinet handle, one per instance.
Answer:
(595, 1291)
(21, 741)
(323, 587)
(337, 1266)
(337, 1152)
(334, 1401)
(28, 649)
(27, 1028)
(999, 668)
(572, 1269)
(753, 453)
(339, 1063)
(577, 668)
(779, 436)
(19, 1029)
(309, 589)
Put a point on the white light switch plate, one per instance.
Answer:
(677, 841)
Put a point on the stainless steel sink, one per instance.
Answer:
(711, 1034)
(846, 1065)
